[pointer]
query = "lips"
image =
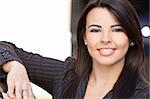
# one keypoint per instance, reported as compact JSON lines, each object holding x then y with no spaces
{"x":106,"y":51}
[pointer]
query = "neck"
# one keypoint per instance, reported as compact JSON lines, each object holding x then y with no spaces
{"x":102,"y":74}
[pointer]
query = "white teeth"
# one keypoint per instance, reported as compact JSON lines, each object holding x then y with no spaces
{"x":106,"y":52}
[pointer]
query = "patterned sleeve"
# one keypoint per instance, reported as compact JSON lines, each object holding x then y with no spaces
{"x":43,"y":71}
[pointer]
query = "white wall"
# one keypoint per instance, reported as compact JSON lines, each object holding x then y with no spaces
{"x":39,"y":26}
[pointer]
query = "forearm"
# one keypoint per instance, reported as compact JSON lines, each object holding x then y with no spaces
{"x":41,"y":70}
{"x":9,"y":56}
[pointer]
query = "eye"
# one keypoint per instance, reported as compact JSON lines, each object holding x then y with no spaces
{"x":118,"y":30}
{"x":95,"y":30}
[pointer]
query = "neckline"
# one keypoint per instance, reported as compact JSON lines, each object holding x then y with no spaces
{"x":82,"y":89}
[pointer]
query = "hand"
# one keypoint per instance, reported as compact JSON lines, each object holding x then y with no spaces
{"x":18,"y":81}
{"x":5,"y":96}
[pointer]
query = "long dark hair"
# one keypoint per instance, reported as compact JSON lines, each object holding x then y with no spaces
{"x":128,"y":18}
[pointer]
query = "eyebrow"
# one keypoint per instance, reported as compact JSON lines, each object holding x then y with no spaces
{"x":95,"y":26}
{"x":101,"y":26}
{"x":116,"y":25}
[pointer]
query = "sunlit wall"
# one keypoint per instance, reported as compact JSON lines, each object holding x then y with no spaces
{"x":39,"y":26}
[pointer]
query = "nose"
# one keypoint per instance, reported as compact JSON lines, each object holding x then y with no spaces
{"x":105,"y":38}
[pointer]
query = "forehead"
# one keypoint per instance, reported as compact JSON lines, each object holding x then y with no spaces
{"x":100,"y":15}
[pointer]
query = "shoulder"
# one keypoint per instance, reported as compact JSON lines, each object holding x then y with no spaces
{"x":69,"y":73}
{"x":70,"y":65}
{"x":142,"y":90}
{"x":70,"y":68}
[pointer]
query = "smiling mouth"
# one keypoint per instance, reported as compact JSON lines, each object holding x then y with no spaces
{"x":106,"y":51}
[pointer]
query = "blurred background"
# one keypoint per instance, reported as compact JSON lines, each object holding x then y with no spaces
{"x":48,"y":27}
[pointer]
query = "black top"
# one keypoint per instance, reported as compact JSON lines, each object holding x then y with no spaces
{"x":54,"y":75}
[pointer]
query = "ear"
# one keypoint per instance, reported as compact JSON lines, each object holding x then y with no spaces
{"x":85,"y":40}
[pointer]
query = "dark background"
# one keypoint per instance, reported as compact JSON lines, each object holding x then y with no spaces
{"x":142,"y":7}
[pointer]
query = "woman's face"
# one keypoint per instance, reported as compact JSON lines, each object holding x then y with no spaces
{"x":105,"y":38}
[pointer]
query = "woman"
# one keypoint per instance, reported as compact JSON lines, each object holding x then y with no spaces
{"x":108,"y":64}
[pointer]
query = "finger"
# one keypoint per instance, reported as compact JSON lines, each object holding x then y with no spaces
{"x":5,"y":96}
{"x":25,"y":94}
{"x":18,"y":93}
{"x":31,"y":95}
{"x":25,"y":91}
{"x":10,"y":89}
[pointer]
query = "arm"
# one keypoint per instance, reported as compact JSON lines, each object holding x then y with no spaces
{"x":42,"y":71}
{"x":15,"y":87}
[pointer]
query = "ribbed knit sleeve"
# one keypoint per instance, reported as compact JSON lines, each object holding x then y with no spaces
{"x":46,"y":72}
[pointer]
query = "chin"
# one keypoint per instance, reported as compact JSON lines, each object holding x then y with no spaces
{"x":108,"y":61}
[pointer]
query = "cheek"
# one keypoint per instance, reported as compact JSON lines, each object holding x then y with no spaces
{"x":122,"y":41}
{"x":92,"y":40}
